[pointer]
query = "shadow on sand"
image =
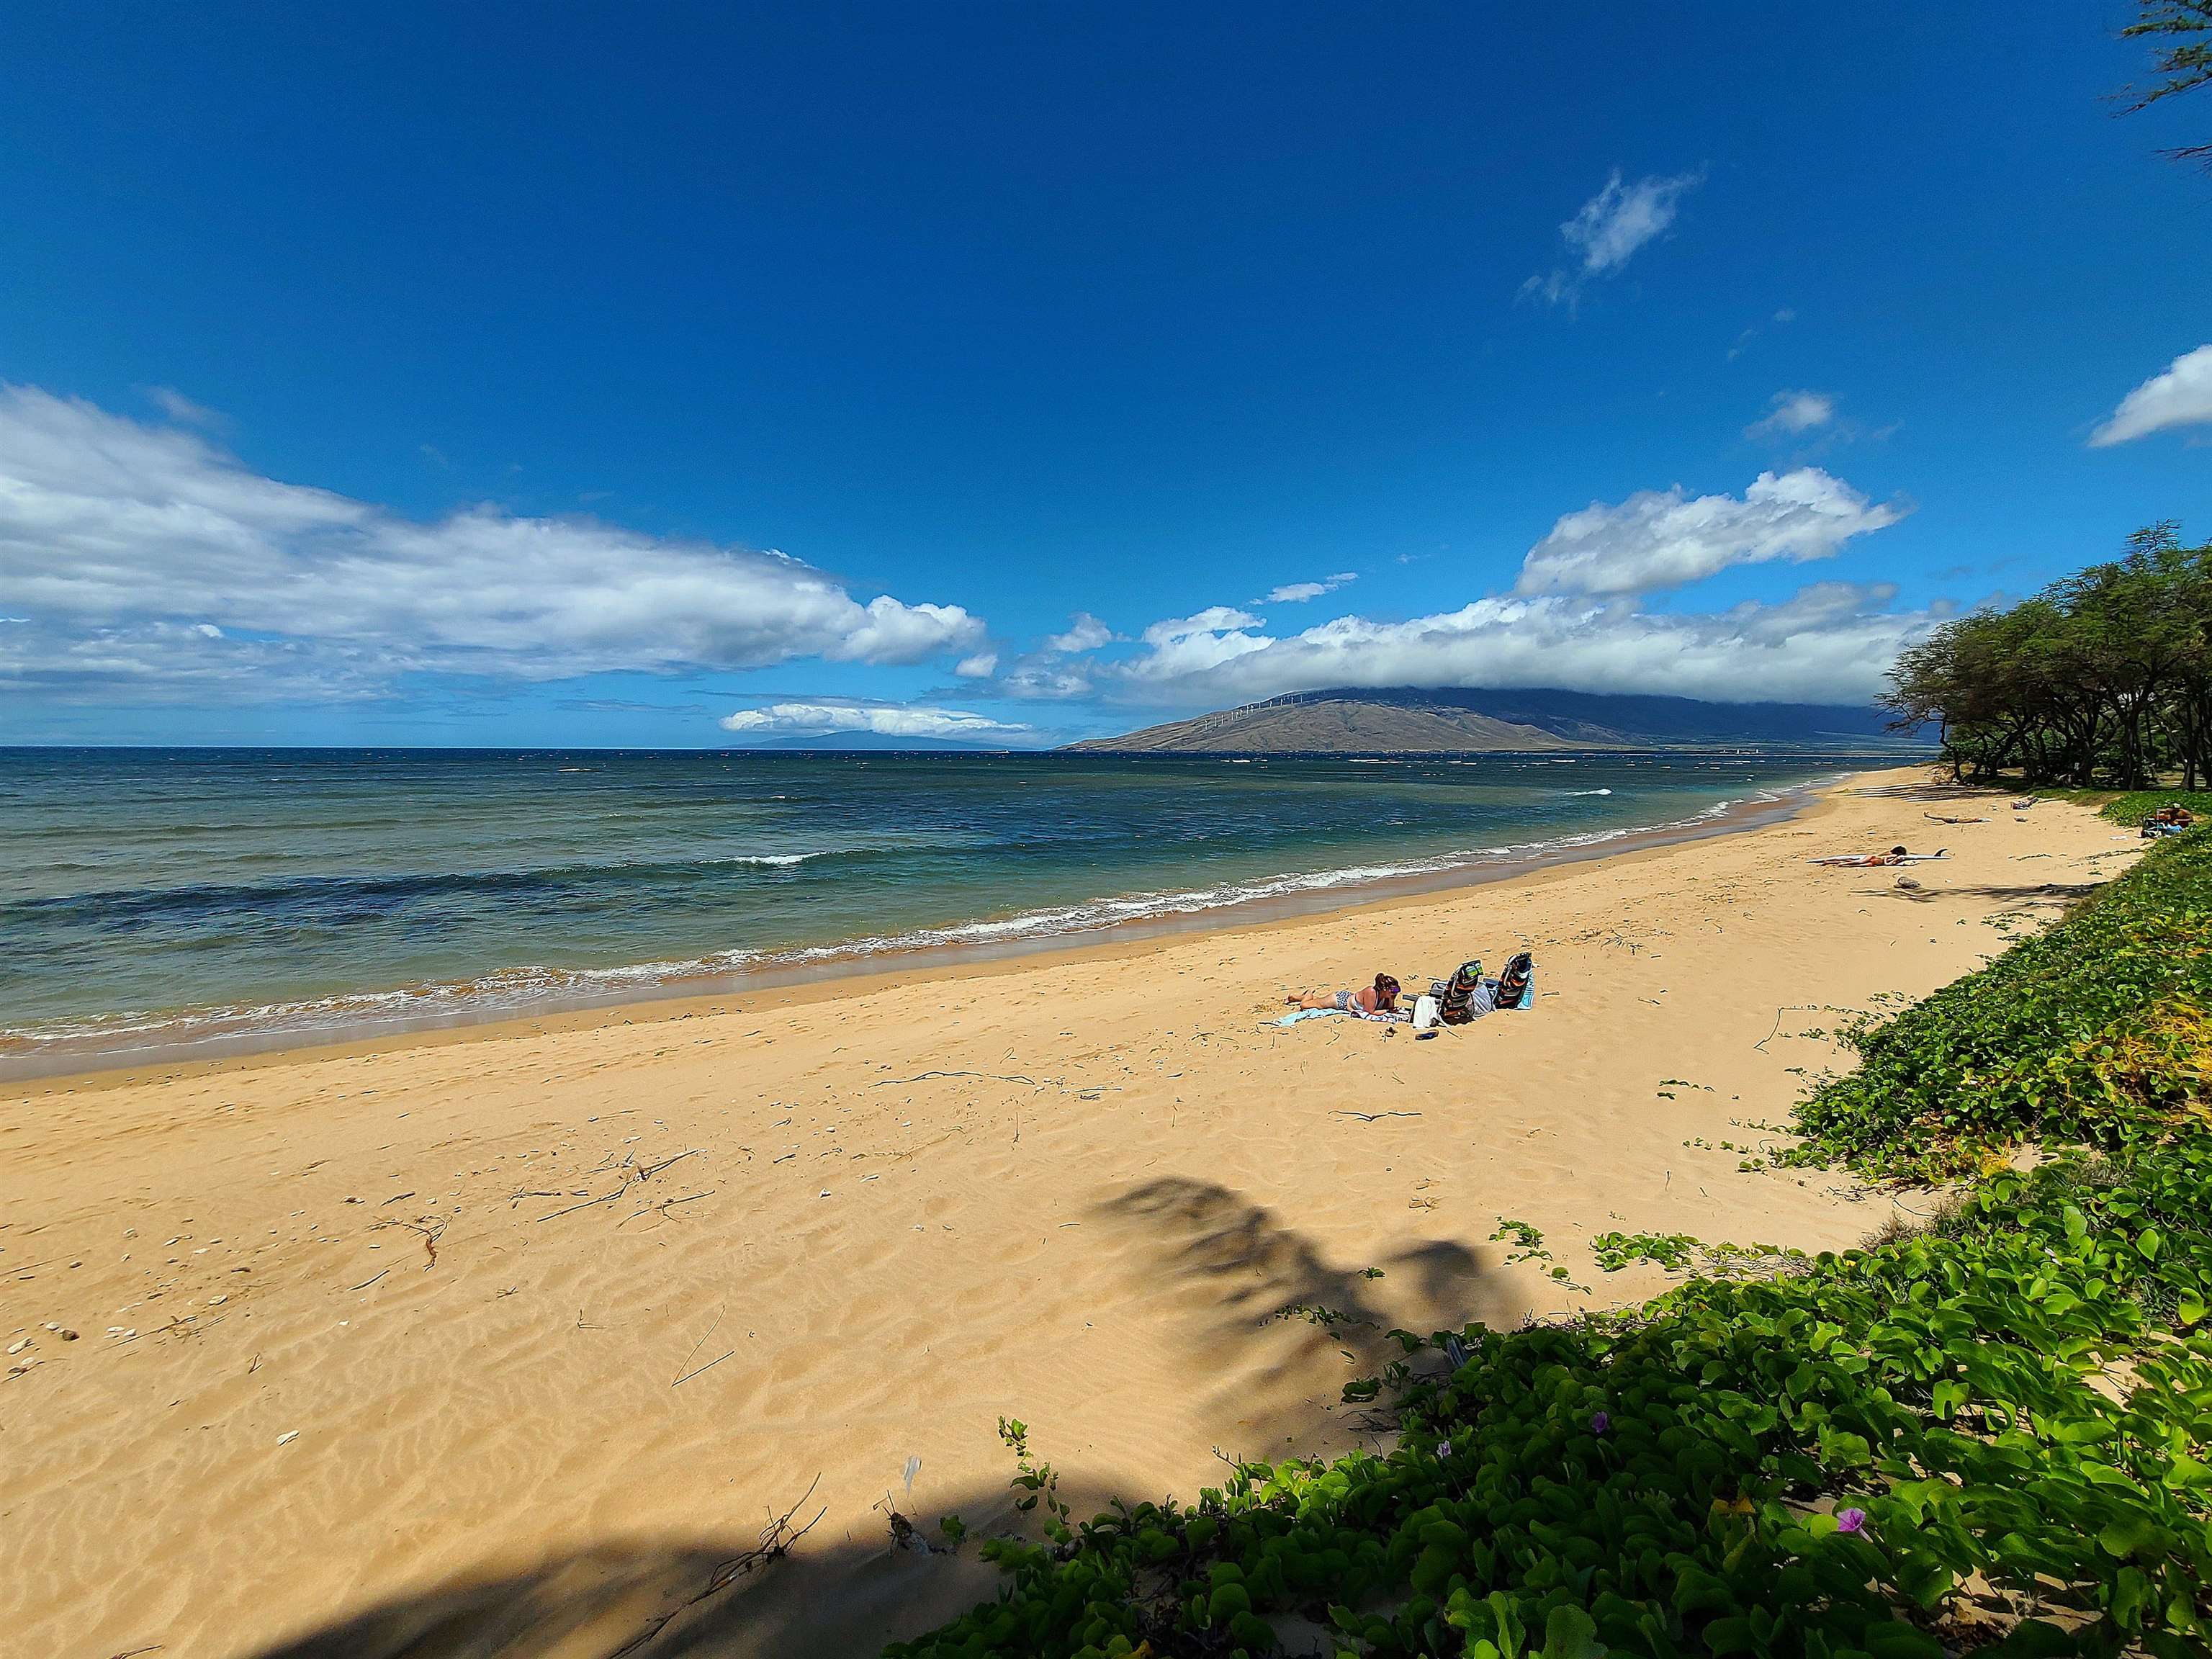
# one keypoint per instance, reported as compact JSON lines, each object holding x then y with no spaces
{"x":1239,"y":1282}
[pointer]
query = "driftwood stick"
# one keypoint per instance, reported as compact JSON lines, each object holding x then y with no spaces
{"x":925,"y":1077}
{"x":776,"y":1538}
{"x":604,"y":1198}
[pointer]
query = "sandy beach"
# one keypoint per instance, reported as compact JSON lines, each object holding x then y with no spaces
{"x":505,"y":1341}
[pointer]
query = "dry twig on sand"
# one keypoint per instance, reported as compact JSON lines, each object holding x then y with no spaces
{"x":929,"y":1076}
{"x":430,"y":1230}
{"x":776,"y":1542}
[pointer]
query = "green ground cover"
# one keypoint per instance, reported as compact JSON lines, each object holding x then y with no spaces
{"x":1996,"y":1433}
{"x":2132,"y":806}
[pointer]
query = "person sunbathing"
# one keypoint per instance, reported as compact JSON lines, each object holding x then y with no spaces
{"x":1896,"y":855}
{"x":1380,"y":998}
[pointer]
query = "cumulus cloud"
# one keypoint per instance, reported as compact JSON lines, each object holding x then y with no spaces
{"x":1214,"y":619}
{"x":1789,"y":414}
{"x":1665,"y":538}
{"x":1085,"y":633}
{"x":1184,"y":645}
{"x":2182,"y":396}
{"x":823,"y":719}
{"x":1299,"y":593}
{"x":1606,"y":231}
{"x":981,"y":666}
{"x":1830,"y":642}
{"x":122,"y":541}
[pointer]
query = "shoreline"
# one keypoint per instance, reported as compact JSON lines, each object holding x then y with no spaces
{"x":527,"y":1327}
{"x":77,"y":1058}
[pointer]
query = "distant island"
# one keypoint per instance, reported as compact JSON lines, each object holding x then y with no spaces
{"x":1421,"y":721}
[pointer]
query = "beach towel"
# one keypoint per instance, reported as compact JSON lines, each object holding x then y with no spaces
{"x":1308,"y":1013}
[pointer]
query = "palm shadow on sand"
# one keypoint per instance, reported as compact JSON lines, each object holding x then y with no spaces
{"x":1261,"y":1297}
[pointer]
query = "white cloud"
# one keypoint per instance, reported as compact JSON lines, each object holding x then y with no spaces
{"x":1299,"y":593}
{"x":1607,"y":229}
{"x":1085,"y":633}
{"x":1213,"y":619}
{"x":822,"y":719}
{"x":1040,"y":679}
{"x":115,"y":535}
{"x":1665,"y":538}
{"x":2182,"y":396}
{"x":182,"y":409}
{"x":1830,"y":642}
{"x":981,"y":666}
{"x":1791,"y":413}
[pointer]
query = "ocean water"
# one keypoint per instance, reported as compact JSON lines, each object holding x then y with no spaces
{"x":155,"y":898}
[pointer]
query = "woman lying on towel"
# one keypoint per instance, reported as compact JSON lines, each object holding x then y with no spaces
{"x":1380,"y":998}
{"x":1878,"y":860}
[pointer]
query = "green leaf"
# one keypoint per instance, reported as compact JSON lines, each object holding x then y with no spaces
{"x":2132,"y":1535}
{"x":1570,"y":1633}
{"x":1848,"y":1451}
{"x":1725,"y":1637}
{"x":2185,"y":1471}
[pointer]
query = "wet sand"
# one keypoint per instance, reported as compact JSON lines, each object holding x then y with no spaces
{"x":505,"y":1340}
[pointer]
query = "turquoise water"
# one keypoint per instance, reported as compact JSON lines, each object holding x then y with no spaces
{"x":155,"y":898}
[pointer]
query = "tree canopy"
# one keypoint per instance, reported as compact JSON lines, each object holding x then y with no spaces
{"x":2102,"y":678}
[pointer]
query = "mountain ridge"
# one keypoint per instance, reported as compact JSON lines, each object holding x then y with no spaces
{"x":1417,"y":719}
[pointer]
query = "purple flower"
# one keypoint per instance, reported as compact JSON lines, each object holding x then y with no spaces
{"x":1850,"y":1520}
{"x":1600,"y":1424}
{"x":1443,"y":1449}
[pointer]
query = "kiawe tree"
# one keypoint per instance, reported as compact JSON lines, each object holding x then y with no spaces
{"x":2104,"y":676}
{"x":2182,"y":32}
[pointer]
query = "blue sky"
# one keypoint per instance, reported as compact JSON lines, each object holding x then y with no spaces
{"x":605,"y":374}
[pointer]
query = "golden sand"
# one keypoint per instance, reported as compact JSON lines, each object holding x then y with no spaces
{"x":505,"y":1342}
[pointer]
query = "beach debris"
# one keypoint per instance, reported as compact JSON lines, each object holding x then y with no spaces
{"x":429,"y":1229}
{"x":286,"y":1439}
{"x":1908,"y":883}
{"x":21,"y":1343}
{"x":776,"y":1538}
{"x":1372,"y":1117}
{"x":905,"y":1535}
{"x":912,"y":1468}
